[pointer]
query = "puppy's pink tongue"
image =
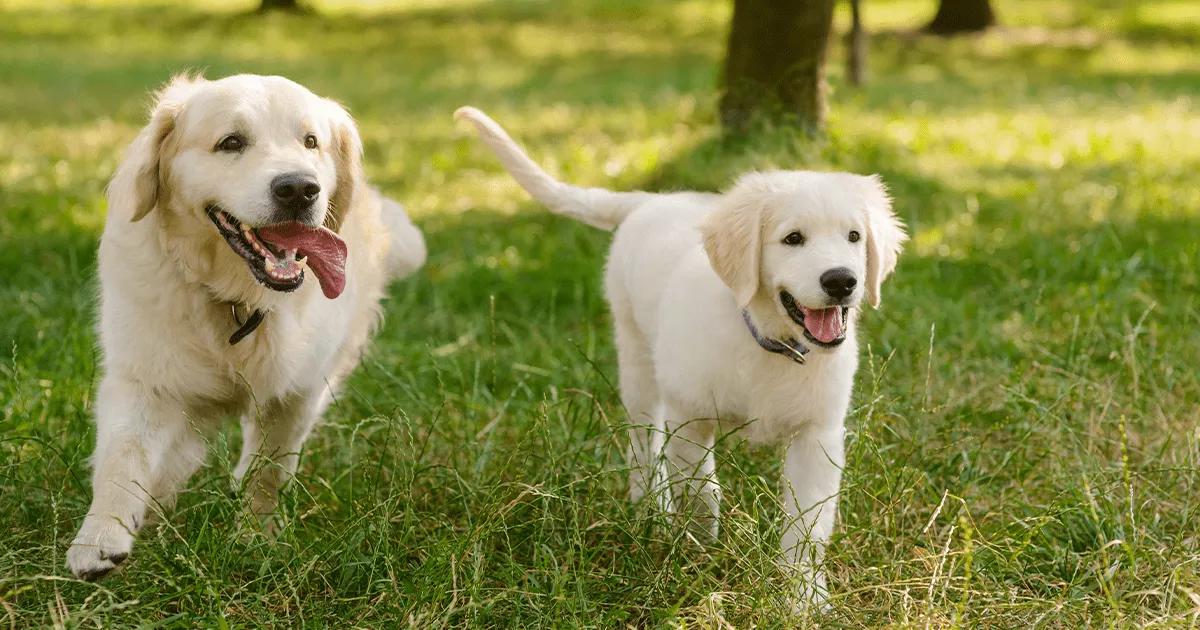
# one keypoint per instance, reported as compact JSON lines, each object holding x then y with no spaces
{"x":824,"y":324}
{"x":325,"y":250}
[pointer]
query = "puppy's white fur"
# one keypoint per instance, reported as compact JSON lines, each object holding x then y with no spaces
{"x":168,"y":281}
{"x":681,"y":270}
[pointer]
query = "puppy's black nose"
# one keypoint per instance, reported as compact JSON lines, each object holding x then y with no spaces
{"x":838,"y":282}
{"x":295,"y":191}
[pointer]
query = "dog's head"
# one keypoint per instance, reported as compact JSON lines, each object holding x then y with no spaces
{"x":260,"y":163}
{"x":814,"y":244}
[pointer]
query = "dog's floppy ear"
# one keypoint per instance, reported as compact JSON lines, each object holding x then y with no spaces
{"x":347,"y":154}
{"x":733,"y":241}
{"x":134,"y":187}
{"x":885,"y":235}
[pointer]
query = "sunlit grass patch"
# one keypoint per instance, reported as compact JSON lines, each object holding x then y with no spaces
{"x":1023,"y":444}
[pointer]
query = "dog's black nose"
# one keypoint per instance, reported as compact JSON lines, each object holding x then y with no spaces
{"x":838,"y":282}
{"x":295,"y":191}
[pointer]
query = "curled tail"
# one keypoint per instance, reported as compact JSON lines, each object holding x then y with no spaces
{"x":407,"y":252}
{"x":597,"y":207}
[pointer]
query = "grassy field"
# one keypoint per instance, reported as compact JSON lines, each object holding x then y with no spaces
{"x":1023,"y":446}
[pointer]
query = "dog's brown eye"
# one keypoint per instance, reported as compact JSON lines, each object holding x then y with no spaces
{"x":233,"y":143}
{"x":793,"y":238}
{"x":310,"y":141}
{"x":854,"y":236}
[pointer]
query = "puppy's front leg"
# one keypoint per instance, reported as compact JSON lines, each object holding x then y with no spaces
{"x":145,"y":447}
{"x":812,"y":473}
{"x":271,"y":443}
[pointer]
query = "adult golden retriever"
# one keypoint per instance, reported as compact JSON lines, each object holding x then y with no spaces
{"x":237,"y":195}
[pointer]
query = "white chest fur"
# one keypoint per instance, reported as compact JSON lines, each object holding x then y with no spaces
{"x":765,"y":396}
{"x":172,"y":336}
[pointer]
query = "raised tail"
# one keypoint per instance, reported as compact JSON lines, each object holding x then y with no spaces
{"x":597,"y":207}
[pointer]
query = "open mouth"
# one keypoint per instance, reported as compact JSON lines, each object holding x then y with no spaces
{"x":825,"y":327}
{"x":275,"y":253}
{"x":278,"y":270}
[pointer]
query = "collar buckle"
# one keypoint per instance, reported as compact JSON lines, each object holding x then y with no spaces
{"x":244,"y":328}
{"x":790,"y":347}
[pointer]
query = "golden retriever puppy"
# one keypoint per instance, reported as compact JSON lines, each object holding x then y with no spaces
{"x":241,"y":269}
{"x":735,"y":312}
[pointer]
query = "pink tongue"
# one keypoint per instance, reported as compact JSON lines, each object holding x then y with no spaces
{"x":326,"y":252}
{"x":825,"y":324}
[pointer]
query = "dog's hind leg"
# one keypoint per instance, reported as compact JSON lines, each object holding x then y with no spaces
{"x":145,"y":448}
{"x":640,"y":395}
{"x":691,"y":463}
{"x":182,"y":457}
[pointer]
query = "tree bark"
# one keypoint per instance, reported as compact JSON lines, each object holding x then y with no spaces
{"x":856,"y":58}
{"x":775,"y":62}
{"x":962,"y":16}
{"x":282,"y":5}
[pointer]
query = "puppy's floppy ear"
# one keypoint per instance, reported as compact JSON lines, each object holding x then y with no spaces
{"x":885,"y":234}
{"x":134,"y":188}
{"x":733,"y":241}
{"x":347,"y":154}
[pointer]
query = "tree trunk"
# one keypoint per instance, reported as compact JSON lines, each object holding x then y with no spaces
{"x":775,"y":62}
{"x":856,"y":58}
{"x":962,"y":16}
{"x":282,"y":5}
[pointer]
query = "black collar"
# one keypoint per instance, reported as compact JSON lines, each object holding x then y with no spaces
{"x":246,"y":327}
{"x":789,"y":347}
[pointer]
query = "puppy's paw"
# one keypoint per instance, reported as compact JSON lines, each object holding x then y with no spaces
{"x":258,"y":528}
{"x":99,"y":547}
{"x":708,"y":529}
{"x":811,"y":599}
{"x":811,"y":595}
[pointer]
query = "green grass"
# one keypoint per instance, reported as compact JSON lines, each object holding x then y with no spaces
{"x":1023,"y":447}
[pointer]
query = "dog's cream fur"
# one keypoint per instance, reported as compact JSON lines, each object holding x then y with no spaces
{"x":682,"y":268}
{"x":168,"y":281}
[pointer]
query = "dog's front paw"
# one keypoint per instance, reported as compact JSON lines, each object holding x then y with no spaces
{"x":99,"y":547}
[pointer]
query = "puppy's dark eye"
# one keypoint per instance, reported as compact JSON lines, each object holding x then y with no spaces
{"x":793,"y":238}
{"x":310,"y":141}
{"x":854,"y":236}
{"x":233,"y":143}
